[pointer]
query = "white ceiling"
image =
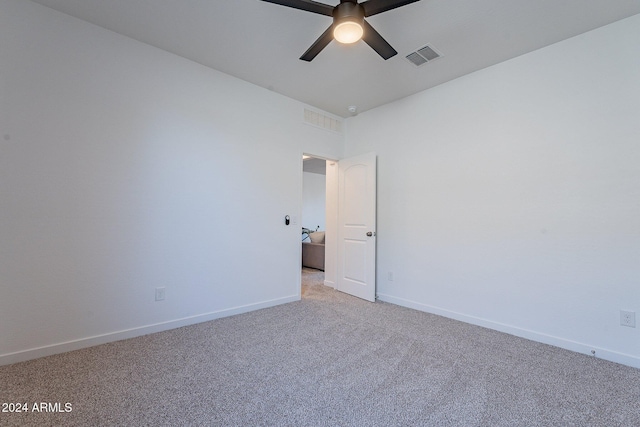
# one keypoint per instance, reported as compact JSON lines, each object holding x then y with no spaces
{"x":261,"y":42}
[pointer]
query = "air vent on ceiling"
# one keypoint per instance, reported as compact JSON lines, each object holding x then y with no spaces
{"x":322,"y":120}
{"x":423,"y":55}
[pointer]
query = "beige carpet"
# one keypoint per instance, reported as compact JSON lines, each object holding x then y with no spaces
{"x":312,"y":281}
{"x":328,"y":360}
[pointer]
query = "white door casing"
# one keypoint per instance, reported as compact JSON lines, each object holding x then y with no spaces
{"x":357,"y":226}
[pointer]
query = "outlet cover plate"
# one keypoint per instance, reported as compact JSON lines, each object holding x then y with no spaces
{"x":628,"y":318}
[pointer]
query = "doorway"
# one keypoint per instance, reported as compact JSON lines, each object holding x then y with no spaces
{"x":314,"y":222}
{"x":349,"y":221}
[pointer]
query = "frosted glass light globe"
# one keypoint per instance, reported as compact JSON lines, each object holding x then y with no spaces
{"x":348,"y":32}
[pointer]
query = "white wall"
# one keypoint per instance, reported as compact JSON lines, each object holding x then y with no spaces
{"x":511,"y":197}
{"x":124,"y":168}
{"x":314,"y":203}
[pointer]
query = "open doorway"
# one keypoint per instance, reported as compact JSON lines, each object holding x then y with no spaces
{"x":349,"y":208}
{"x":316,"y":221}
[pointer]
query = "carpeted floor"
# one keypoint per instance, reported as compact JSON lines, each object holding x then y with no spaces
{"x":312,"y":281}
{"x":328,"y":360}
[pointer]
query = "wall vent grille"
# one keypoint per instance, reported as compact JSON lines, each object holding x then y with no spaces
{"x":322,"y":121}
{"x":423,"y":55}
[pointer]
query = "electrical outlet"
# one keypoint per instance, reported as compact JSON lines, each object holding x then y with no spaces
{"x":160,"y":294}
{"x":390,"y":276}
{"x":628,"y":318}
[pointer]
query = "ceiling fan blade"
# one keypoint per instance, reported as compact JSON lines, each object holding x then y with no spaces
{"x":377,"y":43}
{"x":318,"y":45}
{"x":308,"y":5}
{"x":373,"y":7}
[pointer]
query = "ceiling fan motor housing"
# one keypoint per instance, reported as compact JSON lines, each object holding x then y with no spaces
{"x":348,"y":10}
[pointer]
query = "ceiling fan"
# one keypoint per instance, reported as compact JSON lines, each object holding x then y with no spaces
{"x":349,"y":24}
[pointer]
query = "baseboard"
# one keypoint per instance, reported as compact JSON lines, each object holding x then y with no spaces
{"x":330,"y":283}
{"x":602,"y":353}
{"x":34,"y":353}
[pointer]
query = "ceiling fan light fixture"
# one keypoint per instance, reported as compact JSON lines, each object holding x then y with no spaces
{"x":348,"y":22}
{"x":348,"y":32}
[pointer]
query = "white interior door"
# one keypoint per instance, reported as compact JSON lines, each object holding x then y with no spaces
{"x":357,"y":226}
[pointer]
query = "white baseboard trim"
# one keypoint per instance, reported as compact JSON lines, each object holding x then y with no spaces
{"x":602,"y":353}
{"x":34,"y":353}
{"x":330,"y":283}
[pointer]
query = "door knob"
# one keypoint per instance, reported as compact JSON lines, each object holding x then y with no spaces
{"x":369,"y":234}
